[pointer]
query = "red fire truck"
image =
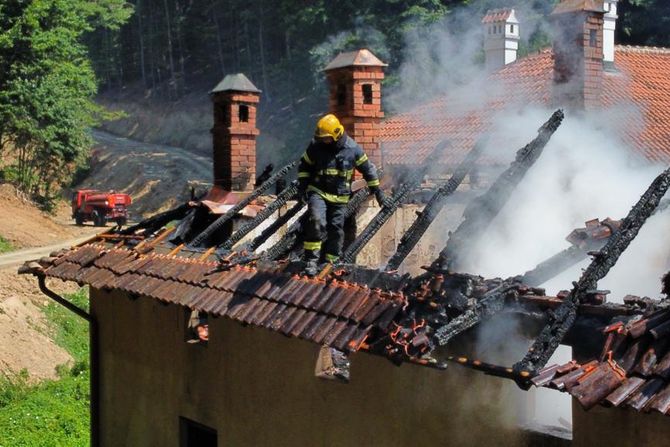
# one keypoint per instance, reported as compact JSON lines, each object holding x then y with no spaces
{"x":100,"y":207}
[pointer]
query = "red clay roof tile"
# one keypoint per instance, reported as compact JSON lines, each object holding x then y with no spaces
{"x":636,"y":97}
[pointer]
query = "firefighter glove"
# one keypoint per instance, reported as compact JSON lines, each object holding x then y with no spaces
{"x":302,"y":191}
{"x":381,"y":197}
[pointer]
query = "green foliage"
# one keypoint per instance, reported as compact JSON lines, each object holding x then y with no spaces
{"x":644,"y":22}
{"x":72,"y":331}
{"x":5,"y":245}
{"x":52,"y":413}
{"x":46,"y":88}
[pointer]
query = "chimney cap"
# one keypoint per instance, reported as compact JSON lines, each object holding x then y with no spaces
{"x":237,"y":82}
{"x":500,"y":15}
{"x":358,"y":58}
{"x":566,"y":6}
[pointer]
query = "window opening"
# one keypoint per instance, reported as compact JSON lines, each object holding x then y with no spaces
{"x":367,"y":93}
{"x":243,"y":113}
{"x":193,"y":434}
{"x":593,"y":38}
{"x":511,"y":29}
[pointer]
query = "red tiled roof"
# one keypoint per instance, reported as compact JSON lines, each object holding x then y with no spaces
{"x":497,"y":15}
{"x":577,"y":5}
{"x":336,"y":313}
{"x":636,"y":98}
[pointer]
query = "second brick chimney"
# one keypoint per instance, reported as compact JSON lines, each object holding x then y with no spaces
{"x":355,"y":80}
{"x":578,"y":53}
{"x":234,"y":133}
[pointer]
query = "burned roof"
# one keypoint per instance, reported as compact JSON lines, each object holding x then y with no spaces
{"x":183,"y":257}
{"x":632,"y":371}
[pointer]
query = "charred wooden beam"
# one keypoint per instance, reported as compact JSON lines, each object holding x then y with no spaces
{"x":564,"y":316}
{"x":291,"y":240}
{"x":389,"y":208}
{"x":220,"y":223}
{"x":420,"y":225}
{"x":491,"y":303}
{"x":479,"y":214}
{"x":490,"y":369}
{"x":152,"y":224}
{"x":553,"y":266}
{"x":274,"y":227}
{"x":590,"y":238}
{"x":289,"y":193}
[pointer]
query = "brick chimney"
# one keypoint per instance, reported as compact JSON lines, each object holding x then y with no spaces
{"x":578,"y":53}
{"x":234,"y":133}
{"x":501,"y":38}
{"x":355,"y":80}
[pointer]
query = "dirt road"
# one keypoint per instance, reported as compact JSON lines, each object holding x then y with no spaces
{"x":156,"y":176}
{"x":17,"y":257}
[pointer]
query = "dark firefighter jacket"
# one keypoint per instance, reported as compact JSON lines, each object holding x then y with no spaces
{"x":327,"y":169}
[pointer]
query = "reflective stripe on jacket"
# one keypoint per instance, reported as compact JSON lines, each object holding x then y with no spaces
{"x":328,"y":168}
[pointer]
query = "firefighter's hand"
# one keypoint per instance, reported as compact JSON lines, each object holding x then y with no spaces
{"x":381,"y":197}
{"x":302,"y":192}
{"x":302,"y":196}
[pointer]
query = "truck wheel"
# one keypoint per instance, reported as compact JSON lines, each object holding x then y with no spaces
{"x":98,"y":219}
{"x":79,"y":219}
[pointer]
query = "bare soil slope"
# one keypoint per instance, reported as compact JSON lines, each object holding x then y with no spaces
{"x":23,"y":225}
{"x":25,"y":337}
{"x":25,"y":341}
{"x":157,"y":177}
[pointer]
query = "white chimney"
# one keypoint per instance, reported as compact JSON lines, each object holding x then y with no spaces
{"x":501,"y":38}
{"x":609,"y":26}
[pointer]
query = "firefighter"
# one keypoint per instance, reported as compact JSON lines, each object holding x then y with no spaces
{"x":325,"y":175}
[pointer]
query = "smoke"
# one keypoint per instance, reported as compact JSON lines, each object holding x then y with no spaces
{"x":447,"y":57}
{"x":585,"y":172}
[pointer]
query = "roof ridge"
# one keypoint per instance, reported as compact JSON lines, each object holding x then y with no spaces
{"x":642,"y":49}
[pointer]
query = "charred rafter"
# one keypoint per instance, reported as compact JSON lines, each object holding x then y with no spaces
{"x":391,"y":205}
{"x":220,"y":223}
{"x":564,"y":316}
{"x":291,"y":240}
{"x":591,"y":238}
{"x":479,"y":214}
{"x":420,"y":225}
{"x":289,"y":193}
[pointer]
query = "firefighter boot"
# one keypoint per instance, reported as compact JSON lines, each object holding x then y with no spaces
{"x":311,"y":258}
{"x":311,"y":268}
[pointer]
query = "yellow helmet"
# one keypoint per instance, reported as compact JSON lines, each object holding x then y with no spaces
{"x":329,"y":126}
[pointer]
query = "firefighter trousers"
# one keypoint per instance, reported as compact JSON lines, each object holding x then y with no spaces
{"x":325,"y":221}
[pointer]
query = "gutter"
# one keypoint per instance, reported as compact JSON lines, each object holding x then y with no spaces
{"x":41,"y":279}
{"x":94,"y":357}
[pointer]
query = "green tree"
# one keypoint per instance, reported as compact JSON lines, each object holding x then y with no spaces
{"x":47,"y":87}
{"x":644,"y":22}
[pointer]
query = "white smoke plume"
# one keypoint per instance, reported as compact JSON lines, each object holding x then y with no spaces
{"x":585,"y":172}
